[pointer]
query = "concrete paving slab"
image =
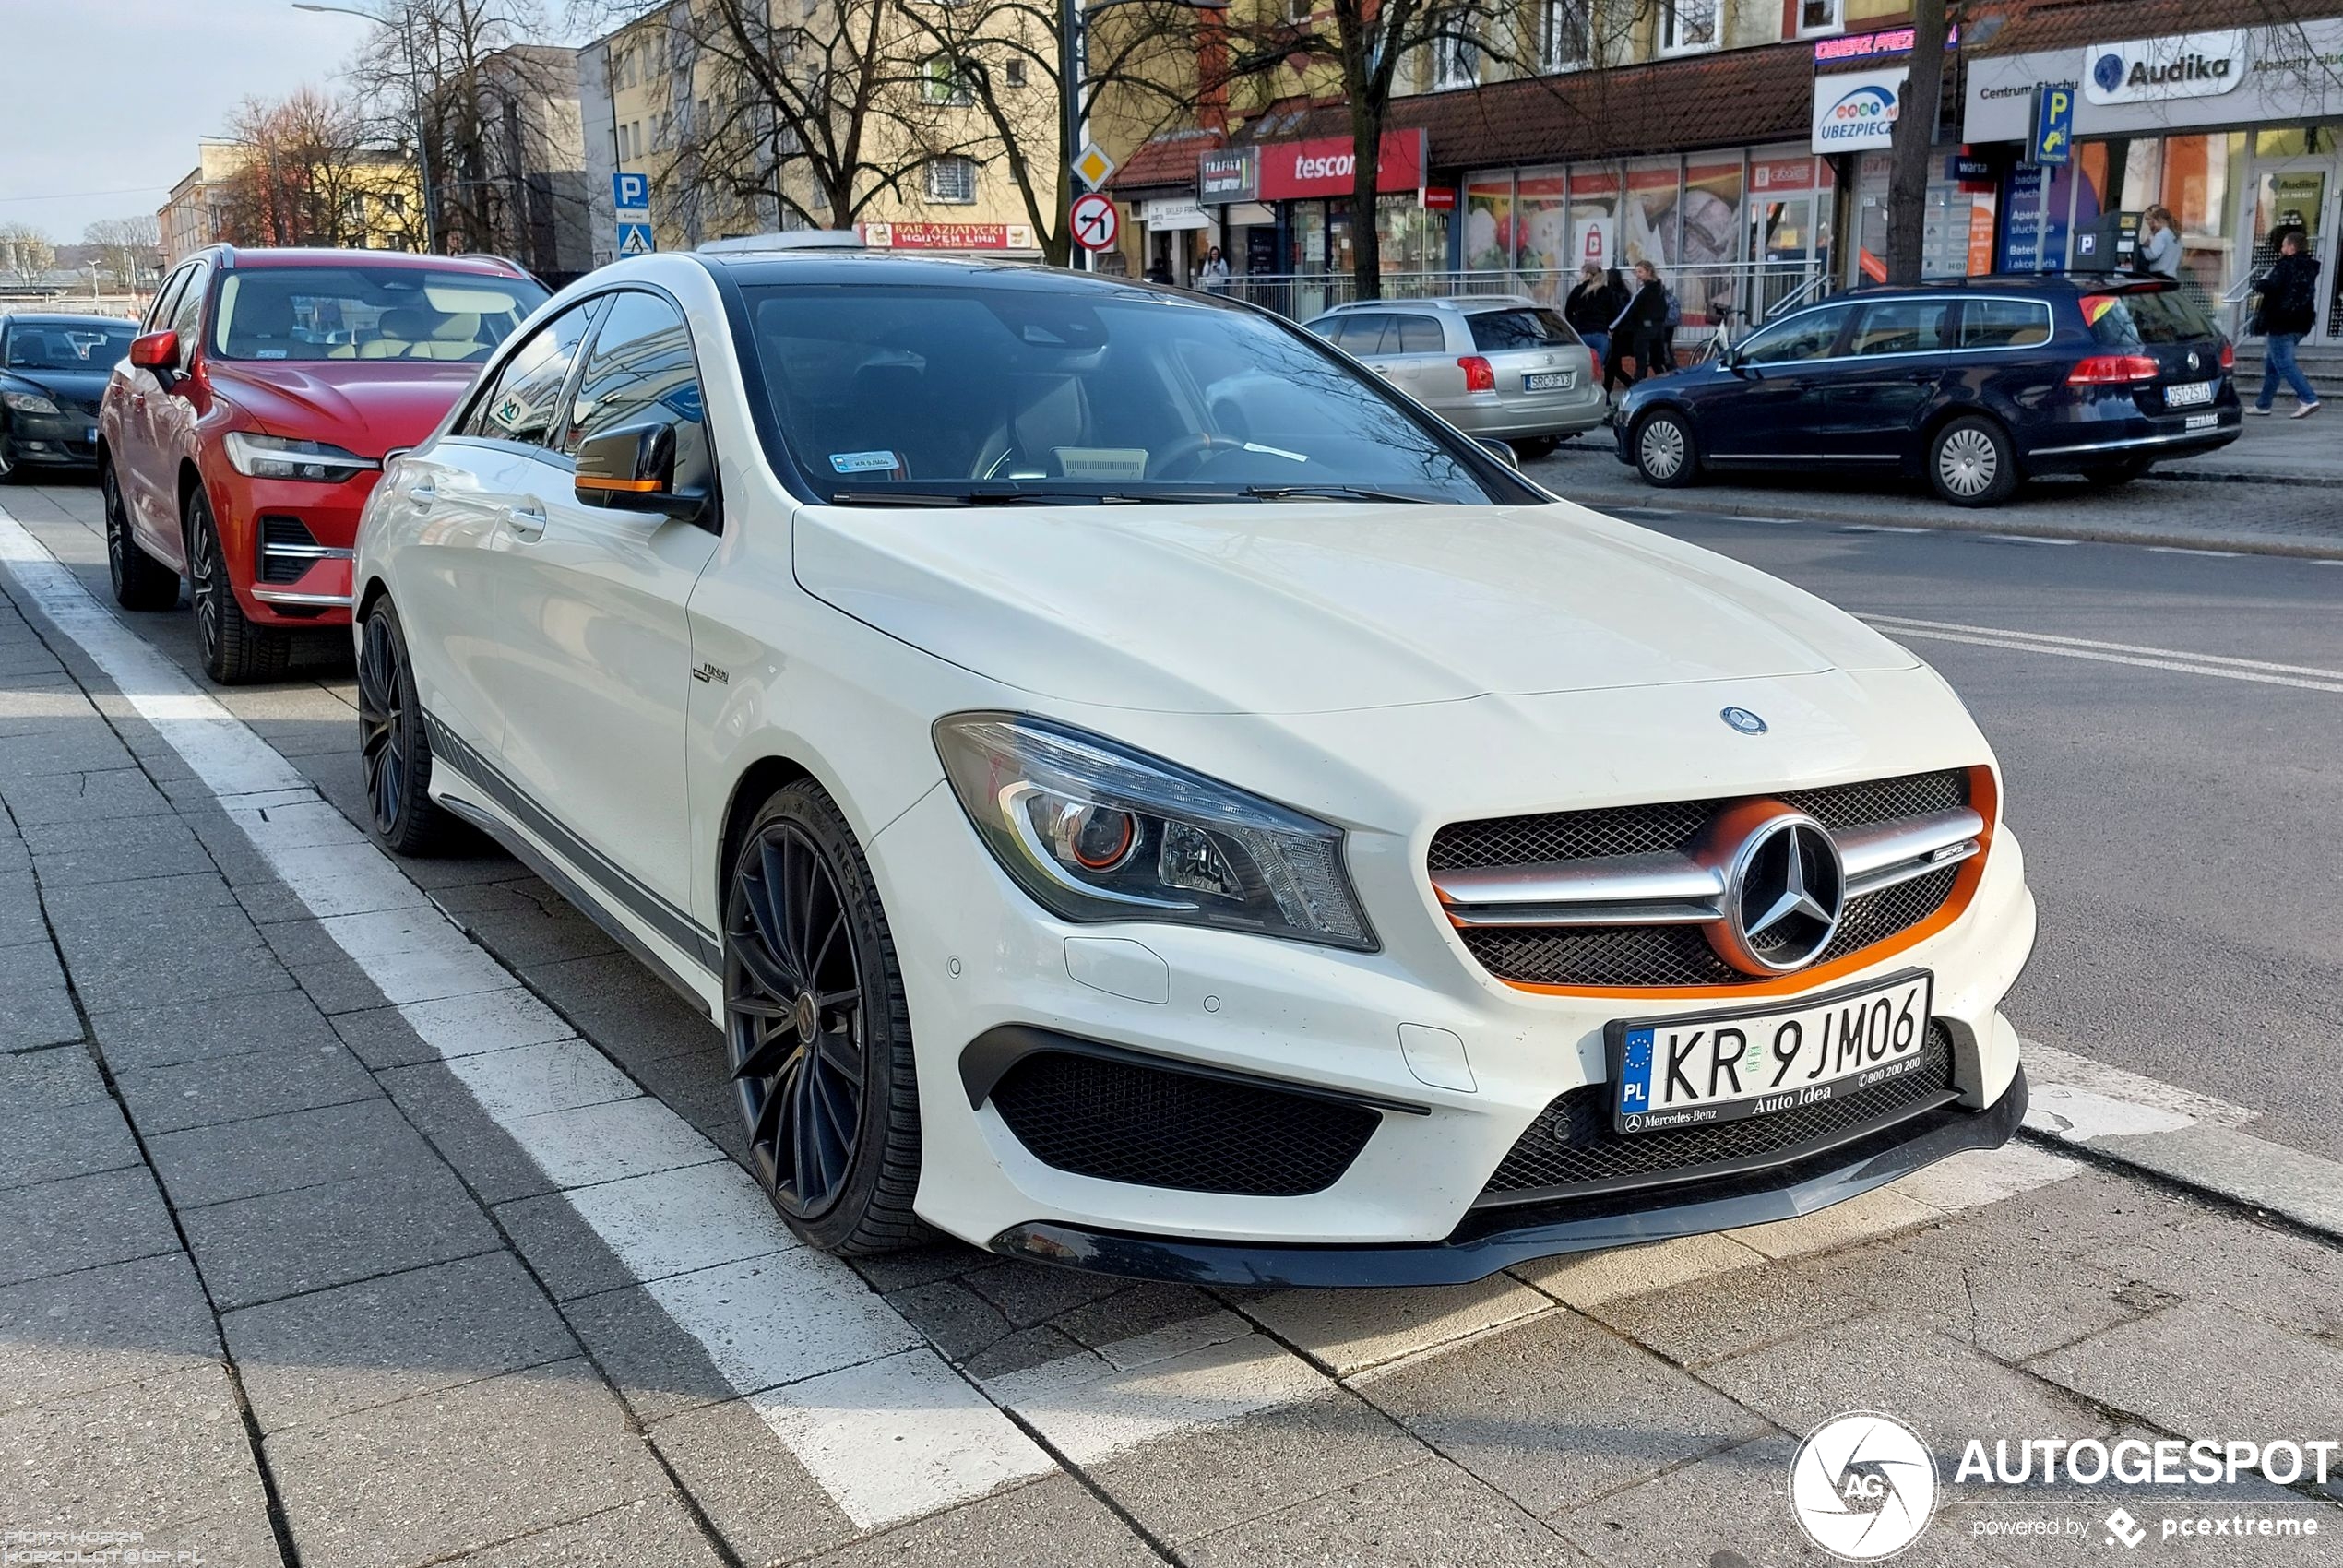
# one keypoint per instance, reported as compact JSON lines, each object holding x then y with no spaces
{"x":261,"y":1249}
{"x":83,"y":1222}
{"x":2231,"y":1261}
{"x":283,"y":1153}
{"x":1707,"y":1319}
{"x":495,"y":1167}
{"x":656,"y":1530}
{"x":598,"y":1142}
{"x":1945,"y":1391}
{"x":525,"y":924}
{"x":766,"y":1506}
{"x":1136,"y":1309}
{"x":124,"y":1323}
{"x":45,"y":1143}
{"x":331,"y":1352}
{"x":1880,"y":1212}
{"x":1431,"y":1514}
{"x":1028,"y":1293}
{"x":267,"y":1082}
{"x":2009,"y":1297}
{"x":21,"y":920}
{"x":111,"y":903}
{"x":2202,"y":1370}
{"x":2304,"y":1188}
{"x":530,"y":1080}
{"x":456,"y":1471}
{"x":63,"y":796}
{"x":41,"y":1010}
{"x":1557,"y":1410}
{"x":1203,"y":1480}
{"x":79,"y":854}
{"x":620,"y":1006}
{"x":955,"y":1320}
{"x":147,"y":959}
{"x":64,"y":1074}
{"x":1347,"y":1331}
{"x":644,"y":1227}
{"x":1051,"y":1524}
{"x":166,"y":1449}
{"x":89,"y":748}
{"x":1582,"y":1279}
{"x":174,"y":1033}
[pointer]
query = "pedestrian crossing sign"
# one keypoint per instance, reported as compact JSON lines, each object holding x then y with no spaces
{"x":635,"y":238}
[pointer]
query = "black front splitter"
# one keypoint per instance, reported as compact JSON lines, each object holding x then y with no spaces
{"x":1485,"y":1243}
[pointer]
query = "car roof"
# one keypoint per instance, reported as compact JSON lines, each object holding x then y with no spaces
{"x":2012,"y":282}
{"x":303,"y":255}
{"x":63,"y":319}
{"x":830,"y":266}
{"x":1464,"y":305}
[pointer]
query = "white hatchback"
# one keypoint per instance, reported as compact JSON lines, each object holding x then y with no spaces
{"x":1134,"y":793}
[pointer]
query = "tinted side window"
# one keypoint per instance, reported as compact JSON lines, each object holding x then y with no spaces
{"x":1520,"y":329}
{"x":1366,"y":333}
{"x":1905,"y":326}
{"x":166,"y":298}
{"x":525,"y":402}
{"x":1808,"y":335}
{"x":1420,"y":335}
{"x":2004,"y":324}
{"x":2140,"y":316}
{"x":641,"y":371}
{"x":186,"y":311}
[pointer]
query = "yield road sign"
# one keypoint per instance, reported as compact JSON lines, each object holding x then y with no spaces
{"x":1095,"y":221}
{"x":1093,"y":165}
{"x":630,"y":191}
{"x":635,"y":238}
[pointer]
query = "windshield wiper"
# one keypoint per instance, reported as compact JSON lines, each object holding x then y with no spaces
{"x":1327,"y":491}
{"x":937,"y":498}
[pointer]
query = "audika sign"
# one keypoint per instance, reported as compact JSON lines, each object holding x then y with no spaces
{"x":2193,"y":64}
{"x":1855,"y":111}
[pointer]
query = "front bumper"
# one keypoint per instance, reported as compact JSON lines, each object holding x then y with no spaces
{"x":67,"y":440}
{"x":1485,"y":1243}
{"x":305,"y":582}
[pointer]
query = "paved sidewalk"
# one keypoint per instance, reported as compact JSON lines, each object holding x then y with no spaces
{"x":360,"y":1212}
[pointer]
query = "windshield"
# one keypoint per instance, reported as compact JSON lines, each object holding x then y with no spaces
{"x":2137,"y":317}
{"x":60,"y":345}
{"x":367,"y":313}
{"x":1000,"y":392}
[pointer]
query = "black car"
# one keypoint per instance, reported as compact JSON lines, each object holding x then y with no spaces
{"x":1974,"y":383}
{"x":52,"y":376}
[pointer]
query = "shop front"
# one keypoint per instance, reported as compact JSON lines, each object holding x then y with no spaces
{"x":1300,"y":261}
{"x":2237,"y":132}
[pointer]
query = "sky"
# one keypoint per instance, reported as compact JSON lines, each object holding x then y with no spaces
{"x":103,"y":100}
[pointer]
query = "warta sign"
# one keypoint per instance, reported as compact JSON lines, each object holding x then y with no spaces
{"x":2193,"y":64}
{"x":1324,"y":167}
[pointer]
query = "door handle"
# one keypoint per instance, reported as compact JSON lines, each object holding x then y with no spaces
{"x":1924,"y":379}
{"x":527,"y":522}
{"x":422,"y":492}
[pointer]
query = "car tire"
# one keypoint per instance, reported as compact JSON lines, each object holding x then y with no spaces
{"x":1665,"y":454}
{"x":8,"y":455}
{"x":1529,"y":448}
{"x":234,"y":650}
{"x":816,"y":1031}
{"x":394,"y":749}
{"x":1970,"y":462}
{"x":140,"y":582}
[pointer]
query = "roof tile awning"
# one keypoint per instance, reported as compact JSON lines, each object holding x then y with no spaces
{"x":1165,"y":160}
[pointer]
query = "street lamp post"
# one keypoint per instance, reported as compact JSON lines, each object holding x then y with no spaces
{"x":1072,"y":15}
{"x":415,"y":86}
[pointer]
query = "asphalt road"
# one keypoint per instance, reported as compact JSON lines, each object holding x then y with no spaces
{"x":2181,"y":825}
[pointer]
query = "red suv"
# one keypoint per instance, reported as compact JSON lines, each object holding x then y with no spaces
{"x":241,"y":437}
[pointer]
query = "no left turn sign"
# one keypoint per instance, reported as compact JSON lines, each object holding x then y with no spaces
{"x":1095,"y":221}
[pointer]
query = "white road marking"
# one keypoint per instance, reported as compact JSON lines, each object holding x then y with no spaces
{"x":2216,"y":665}
{"x":1090,"y":1409}
{"x":914,"y":1437}
{"x":2221,"y":658}
{"x":682,"y":1220}
{"x":2188,"y":550}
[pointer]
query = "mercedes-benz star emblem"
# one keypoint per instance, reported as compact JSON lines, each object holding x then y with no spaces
{"x":1784,"y":891}
{"x":1743,"y":720}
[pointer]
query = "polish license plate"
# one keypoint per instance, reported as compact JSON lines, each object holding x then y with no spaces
{"x":2202,"y":421}
{"x":1743,"y":1061}
{"x":1548,"y":381}
{"x":2189,"y":395}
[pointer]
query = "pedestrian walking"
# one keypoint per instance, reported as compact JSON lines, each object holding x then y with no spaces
{"x":1214,"y":273}
{"x":1648,"y":324}
{"x":1589,"y":308}
{"x":2290,"y":304}
{"x":2159,"y":249}
{"x":1615,"y":334}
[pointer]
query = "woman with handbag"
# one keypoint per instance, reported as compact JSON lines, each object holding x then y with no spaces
{"x":2290,"y":304}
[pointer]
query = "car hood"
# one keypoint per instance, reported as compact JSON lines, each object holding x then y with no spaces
{"x":84,"y":388}
{"x":1305,"y":608}
{"x":366,"y":405}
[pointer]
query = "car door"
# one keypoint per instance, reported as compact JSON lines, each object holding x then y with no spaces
{"x":592,"y":606}
{"x":1422,"y":363}
{"x":455,"y":496}
{"x":1887,"y":379}
{"x":1363,"y":334}
{"x":1767,"y":406}
{"x":161,"y":415}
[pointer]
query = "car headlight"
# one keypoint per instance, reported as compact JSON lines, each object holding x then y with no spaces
{"x":1095,"y":831}
{"x":28,"y":402}
{"x":282,"y":457}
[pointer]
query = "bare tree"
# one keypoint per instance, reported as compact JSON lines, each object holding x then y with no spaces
{"x":1915,"y":133}
{"x":124,"y":248}
{"x":25,"y":253}
{"x":300,"y":172}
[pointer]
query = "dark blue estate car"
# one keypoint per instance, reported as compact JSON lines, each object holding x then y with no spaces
{"x":1974,"y":383}
{"x":53,"y":376}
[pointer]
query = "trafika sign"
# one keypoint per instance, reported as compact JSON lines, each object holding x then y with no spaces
{"x":2191,"y":65}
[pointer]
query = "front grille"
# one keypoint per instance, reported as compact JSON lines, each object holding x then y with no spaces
{"x":1677,"y":825}
{"x":1160,"y":1127}
{"x":1571,"y":1147}
{"x":279,"y":564}
{"x":1665,"y":956}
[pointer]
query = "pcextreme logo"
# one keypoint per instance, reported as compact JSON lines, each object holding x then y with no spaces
{"x":1863,"y":1486}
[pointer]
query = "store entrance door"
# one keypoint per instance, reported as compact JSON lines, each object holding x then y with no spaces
{"x":2298,"y":193}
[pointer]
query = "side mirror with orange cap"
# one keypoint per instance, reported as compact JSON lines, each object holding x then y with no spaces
{"x":634,"y":469}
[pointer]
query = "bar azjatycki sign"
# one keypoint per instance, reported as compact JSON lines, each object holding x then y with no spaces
{"x":1324,"y":166}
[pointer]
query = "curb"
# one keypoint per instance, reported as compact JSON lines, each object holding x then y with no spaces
{"x":2177,"y":1136}
{"x":2004,"y":525}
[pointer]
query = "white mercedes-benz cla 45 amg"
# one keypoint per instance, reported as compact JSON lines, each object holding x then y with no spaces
{"x":1137,"y":792}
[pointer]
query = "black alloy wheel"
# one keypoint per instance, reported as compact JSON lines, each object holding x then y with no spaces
{"x":140,"y":582}
{"x":393,"y":747}
{"x":818,"y":1035}
{"x":233,"y":649}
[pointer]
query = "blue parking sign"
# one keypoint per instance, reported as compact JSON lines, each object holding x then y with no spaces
{"x":2053,"y":137}
{"x":630,"y":191}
